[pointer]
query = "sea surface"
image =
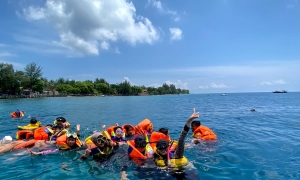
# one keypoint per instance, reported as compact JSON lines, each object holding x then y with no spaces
{"x":264,"y":144}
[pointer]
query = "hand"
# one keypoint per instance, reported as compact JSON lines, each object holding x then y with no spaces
{"x":87,"y":152}
{"x":194,"y":115}
{"x":32,"y":153}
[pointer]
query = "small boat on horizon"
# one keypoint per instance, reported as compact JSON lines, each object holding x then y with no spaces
{"x":280,"y":91}
{"x":224,"y":94}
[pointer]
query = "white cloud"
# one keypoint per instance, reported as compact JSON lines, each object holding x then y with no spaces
{"x":105,"y":45}
{"x":7,"y":54}
{"x":156,"y":85}
{"x":178,"y":84}
{"x":33,"y":13}
{"x":265,"y":83}
{"x":16,"y":65}
{"x":157,"y":4}
{"x":176,"y":33}
{"x":84,"y":24}
{"x":280,"y":81}
{"x":203,"y":87}
{"x":275,"y":82}
{"x":128,"y":80}
{"x":214,"y":85}
{"x":117,"y":50}
{"x":268,"y":69}
{"x":163,"y":9}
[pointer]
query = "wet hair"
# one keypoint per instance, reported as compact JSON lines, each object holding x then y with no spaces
{"x":61,"y":119}
{"x":127,"y":127}
{"x":60,"y":126}
{"x":196,"y":123}
{"x":33,"y":121}
{"x":118,"y":127}
{"x":162,"y":144}
{"x":165,"y":131}
{"x":140,"y":141}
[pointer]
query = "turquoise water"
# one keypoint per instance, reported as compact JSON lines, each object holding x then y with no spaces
{"x":251,"y":145}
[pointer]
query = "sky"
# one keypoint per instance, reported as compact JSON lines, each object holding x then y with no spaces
{"x":215,"y":46}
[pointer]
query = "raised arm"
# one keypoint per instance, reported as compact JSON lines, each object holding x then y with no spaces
{"x":180,"y":148}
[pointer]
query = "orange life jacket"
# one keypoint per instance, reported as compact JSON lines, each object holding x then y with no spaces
{"x":110,"y":131}
{"x":24,"y":134}
{"x":25,"y":144}
{"x":133,"y":129}
{"x":204,"y":133}
{"x":155,"y":136}
{"x":133,"y":152}
{"x":144,"y":126}
{"x":42,"y":133}
{"x":61,"y":142}
{"x":16,"y":114}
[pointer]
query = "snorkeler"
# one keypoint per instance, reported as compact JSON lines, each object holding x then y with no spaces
{"x":201,"y":132}
{"x":162,"y":133}
{"x":129,"y":131}
{"x":140,"y":148}
{"x":99,"y":147}
{"x":63,"y":121}
{"x":118,"y":136}
{"x":69,"y":141}
{"x":164,"y":157}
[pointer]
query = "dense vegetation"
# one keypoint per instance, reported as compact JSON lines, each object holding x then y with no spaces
{"x":15,"y":82}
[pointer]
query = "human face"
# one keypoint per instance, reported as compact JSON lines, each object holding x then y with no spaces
{"x":71,"y":141}
{"x":119,"y":133}
{"x":130,"y":132}
{"x":101,"y":142}
{"x":194,"y":127}
{"x":141,"y":150}
{"x":162,"y":151}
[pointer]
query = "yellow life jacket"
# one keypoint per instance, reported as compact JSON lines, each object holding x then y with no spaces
{"x":172,"y":162}
{"x":30,"y":126}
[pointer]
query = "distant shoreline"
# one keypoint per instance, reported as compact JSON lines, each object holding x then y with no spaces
{"x":92,"y":95}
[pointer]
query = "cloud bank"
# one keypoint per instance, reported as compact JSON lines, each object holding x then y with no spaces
{"x":85,"y":26}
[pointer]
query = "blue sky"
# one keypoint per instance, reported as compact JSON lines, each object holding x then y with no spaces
{"x":205,"y":46}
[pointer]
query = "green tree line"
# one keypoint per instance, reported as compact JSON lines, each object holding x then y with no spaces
{"x":15,"y":82}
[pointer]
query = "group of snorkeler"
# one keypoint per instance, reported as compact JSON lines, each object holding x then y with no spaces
{"x":143,"y":143}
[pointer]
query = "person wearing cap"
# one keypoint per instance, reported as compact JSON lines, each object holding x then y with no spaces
{"x":163,"y":157}
{"x":68,"y":141}
{"x":99,"y":147}
{"x":58,"y":130}
{"x":7,"y":144}
{"x":63,"y":121}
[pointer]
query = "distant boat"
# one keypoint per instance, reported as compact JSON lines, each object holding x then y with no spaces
{"x":280,"y":91}
{"x":224,"y":94}
{"x":103,"y":95}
